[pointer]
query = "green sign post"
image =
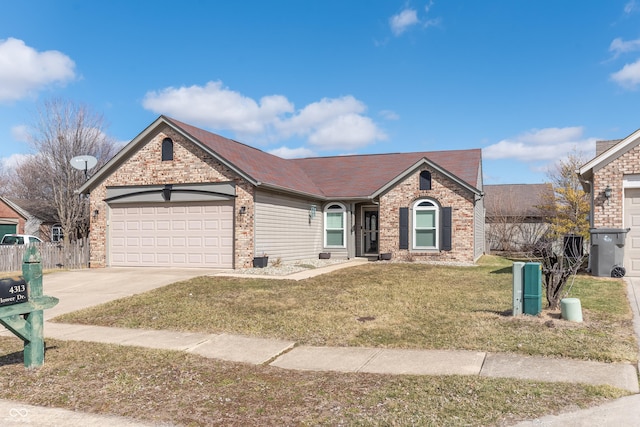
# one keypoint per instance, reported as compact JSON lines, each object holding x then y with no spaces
{"x":25,"y":303}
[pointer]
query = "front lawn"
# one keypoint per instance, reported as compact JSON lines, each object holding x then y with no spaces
{"x":386,"y":305}
{"x":176,"y":388}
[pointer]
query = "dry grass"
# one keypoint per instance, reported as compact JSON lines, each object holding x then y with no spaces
{"x":386,"y":305}
{"x":178,"y":388}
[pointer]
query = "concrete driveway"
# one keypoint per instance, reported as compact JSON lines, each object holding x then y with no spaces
{"x":79,"y":289}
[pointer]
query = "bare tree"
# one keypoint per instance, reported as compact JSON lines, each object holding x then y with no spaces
{"x":514,"y":221}
{"x":61,"y":131}
{"x":570,"y":207}
{"x":503,"y":231}
{"x":557,"y":269}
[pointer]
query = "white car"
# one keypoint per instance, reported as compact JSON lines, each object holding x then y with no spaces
{"x":19,"y":239}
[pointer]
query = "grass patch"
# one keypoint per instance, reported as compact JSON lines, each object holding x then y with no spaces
{"x":179,"y":388}
{"x":403,"y":306}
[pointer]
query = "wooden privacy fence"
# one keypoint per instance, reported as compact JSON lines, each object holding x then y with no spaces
{"x":54,"y":255}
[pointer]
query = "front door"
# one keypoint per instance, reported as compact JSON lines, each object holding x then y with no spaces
{"x":370,"y":235}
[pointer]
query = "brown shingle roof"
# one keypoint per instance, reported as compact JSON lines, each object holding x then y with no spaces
{"x":354,"y":176}
{"x":262,"y":167}
{"x":516,"y":200}
{"x":363,"y":175}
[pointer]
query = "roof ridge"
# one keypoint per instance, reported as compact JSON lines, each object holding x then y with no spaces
{"x":243,"y":167}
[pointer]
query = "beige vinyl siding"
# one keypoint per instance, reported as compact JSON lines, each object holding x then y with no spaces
{"x":283,"y":228}
{"x":479,"y":233}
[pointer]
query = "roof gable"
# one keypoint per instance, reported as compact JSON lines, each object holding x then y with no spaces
{"x":366,"y":175}
{"x":17,"y":209}
{"x":609,"y":155}
{"x":355,"y":176}
{"x":261,"y":167}
{"x":31,"y":209}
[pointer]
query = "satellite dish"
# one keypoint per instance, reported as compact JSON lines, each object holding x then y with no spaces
{"x":83,"y":163}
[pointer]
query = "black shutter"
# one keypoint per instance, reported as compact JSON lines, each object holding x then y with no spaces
{"x":445,"y":229}
{"x":403,"y":222}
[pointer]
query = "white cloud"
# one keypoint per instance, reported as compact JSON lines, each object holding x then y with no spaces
{"x":20,"y":133}
{"x":409,"y":18}
{"x":348,"y":131}
{"x":327,"y":124}
{"x":401,"y":22}
{"x":292,"y":153}
{"x":630,"y":7}
{"x":23,"y":70}
{"x":389,"y":115}
{"x":435,"y":22}
{"x":13,"y":161}
{"x":318,"y":113}
{"x":218,"y":106}
{"x":619,"y":46}
{"x":547,"y":144}
{"x":629,"y":76}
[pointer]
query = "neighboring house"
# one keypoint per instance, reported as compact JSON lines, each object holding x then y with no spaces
{"x":177,"y":195}
{"x":515,"y":220}
{"x":12,"y":218}
{"x":27,"y":217}
{"x":613,"y":180}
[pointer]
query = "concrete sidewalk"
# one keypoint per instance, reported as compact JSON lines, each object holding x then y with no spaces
{"x":284,"y":354}
{"x":82,"y":289}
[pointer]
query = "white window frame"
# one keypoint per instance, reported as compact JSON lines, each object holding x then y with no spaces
{"x":417,"y":208}
{"x":329,"y":208}
{"x":60,"y":235}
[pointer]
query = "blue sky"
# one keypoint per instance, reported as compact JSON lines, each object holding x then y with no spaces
{"x":525,"y":81}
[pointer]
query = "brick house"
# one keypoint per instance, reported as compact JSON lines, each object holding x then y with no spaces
{"x":612,"y":179}
{"x":12,"y":218}
{"x":177,"y":195}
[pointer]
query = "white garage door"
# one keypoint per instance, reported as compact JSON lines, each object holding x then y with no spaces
{"x":184,"y":235}
{"x":632,"y":221}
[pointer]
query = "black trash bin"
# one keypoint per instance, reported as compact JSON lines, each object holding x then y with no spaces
{"x":607,"y":251}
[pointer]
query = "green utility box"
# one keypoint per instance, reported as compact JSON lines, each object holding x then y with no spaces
{"x":532,"y":284}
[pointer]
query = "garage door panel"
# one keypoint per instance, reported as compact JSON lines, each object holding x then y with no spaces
{"x":179,"y":242}
{"x":186,"y":235}
{"x":195,"y":242}
{"x":211,"y":225}
{"x":133,"y":258}
{"x":147,"y":242}
{"x":163,"y":242}
{"x":195,"y":225}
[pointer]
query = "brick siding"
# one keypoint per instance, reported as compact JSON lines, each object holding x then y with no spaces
{"x":190,"y":164}
{"x":447,"y":194}
{"x":608,"y":213}
{"x":12,"y":216}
